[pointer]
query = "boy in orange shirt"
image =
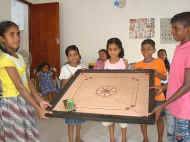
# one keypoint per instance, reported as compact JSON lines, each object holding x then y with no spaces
{"x":147,"y":50}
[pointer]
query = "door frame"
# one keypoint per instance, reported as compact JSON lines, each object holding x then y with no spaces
{"x":30,"y":4}
{"x":26,"y":2}
{"x":30,"y":36}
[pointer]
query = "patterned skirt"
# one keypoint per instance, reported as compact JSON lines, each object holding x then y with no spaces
{"x":17,"y":121}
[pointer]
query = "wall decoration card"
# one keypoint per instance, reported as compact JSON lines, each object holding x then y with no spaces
{"x":141,"y":28}
{"x":119,"y":3}
{"x":165,"y":31}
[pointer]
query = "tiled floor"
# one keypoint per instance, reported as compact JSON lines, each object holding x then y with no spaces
{"x":54,"y":130}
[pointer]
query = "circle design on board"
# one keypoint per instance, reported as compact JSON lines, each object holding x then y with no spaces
{"x":106,"y":91}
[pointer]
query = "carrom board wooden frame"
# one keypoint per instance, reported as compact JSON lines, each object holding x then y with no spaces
{"x":113,"y":118}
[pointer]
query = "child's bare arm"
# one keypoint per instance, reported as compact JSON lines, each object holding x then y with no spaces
{"x":164,"y":87}
{"x":126,"y":63}
{"x":44,"y":104}
{"x":160,"y":89}
{"x":13,"y":74}
{"x":184,"y":88}
{"x":63,"y":82}
{"x":160,"y":75}
{"x":34,"y":91}
{"x":180,"y":92}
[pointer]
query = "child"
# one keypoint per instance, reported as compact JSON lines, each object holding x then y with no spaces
{"x":178,"y":91}
{"x":115,"y":62}
{"x":19,"y":98}
{"x":147,"y":50}
{"x":67,"y":71}
{"x":101,"y":60}
{"x":162,"y":54}
{"x":46,"y":84}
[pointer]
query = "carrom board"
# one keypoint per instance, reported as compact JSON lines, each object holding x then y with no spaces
{"x":109,"y":95}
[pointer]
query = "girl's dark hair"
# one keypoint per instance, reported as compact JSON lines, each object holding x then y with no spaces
{"x":70,"y":48}
{"x":4,"y":27}
{"x":117,"y":42}
{"x":148,"y":41}
{"x":103,"y":50}
{"x":166,"y":61}
{"x":183,"y":18}
{"x":40,"y":67}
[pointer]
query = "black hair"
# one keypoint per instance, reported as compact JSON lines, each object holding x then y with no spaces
{"x":148,"y":41}
{"x":4,"y":27}
{"x":42,"y":65}
{"x":166,"y":61}
{"x":70,"y":48}
{"x":183,"y":18}
{"x":102,"y":50}
{"x":117,"y":42}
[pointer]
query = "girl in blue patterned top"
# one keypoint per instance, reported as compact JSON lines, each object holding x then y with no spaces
{"x":46,"y":84}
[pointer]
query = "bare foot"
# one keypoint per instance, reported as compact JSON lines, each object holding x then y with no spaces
{"x":79,"y":140}
{"x":145,"y":140}
{"x":160,"y":140}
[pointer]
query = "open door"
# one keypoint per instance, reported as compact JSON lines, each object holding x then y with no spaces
{"x":44,"y":34}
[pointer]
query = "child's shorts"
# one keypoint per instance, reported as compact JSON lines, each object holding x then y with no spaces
{"x":74,"y":121}
{"x":178,"y":130}
{"x":107,"y":124}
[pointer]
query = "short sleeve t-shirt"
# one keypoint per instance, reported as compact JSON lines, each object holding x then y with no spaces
{"x":8,"y":87}
{"x":181,"y":60}
{"x":116,"y":66}
{"x":67,"y":71}
{"x":99,"y":65}
{"x":157,"y":65}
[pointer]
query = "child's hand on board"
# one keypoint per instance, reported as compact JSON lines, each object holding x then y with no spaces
{"x":158,"y":89}
{"x":157,"y":111}
{"x":42,"y":113}
{"x":45,"y":104}
{"x":126,"y":63}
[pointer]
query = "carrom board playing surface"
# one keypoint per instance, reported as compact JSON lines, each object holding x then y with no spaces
{"x":120,"y":96}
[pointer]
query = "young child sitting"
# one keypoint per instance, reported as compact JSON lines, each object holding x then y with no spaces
{"x":101,"y":60}
{"x":46,"y":83}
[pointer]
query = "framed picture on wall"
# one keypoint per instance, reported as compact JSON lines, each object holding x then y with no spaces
{"x":165,"y":31}
{"x":141,"y":28}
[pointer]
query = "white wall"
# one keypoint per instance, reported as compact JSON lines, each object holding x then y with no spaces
{"x":89,"y":23}
{"x":19,"y":14}
{"x":5,"y":13}
{"x":8,"y":11}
